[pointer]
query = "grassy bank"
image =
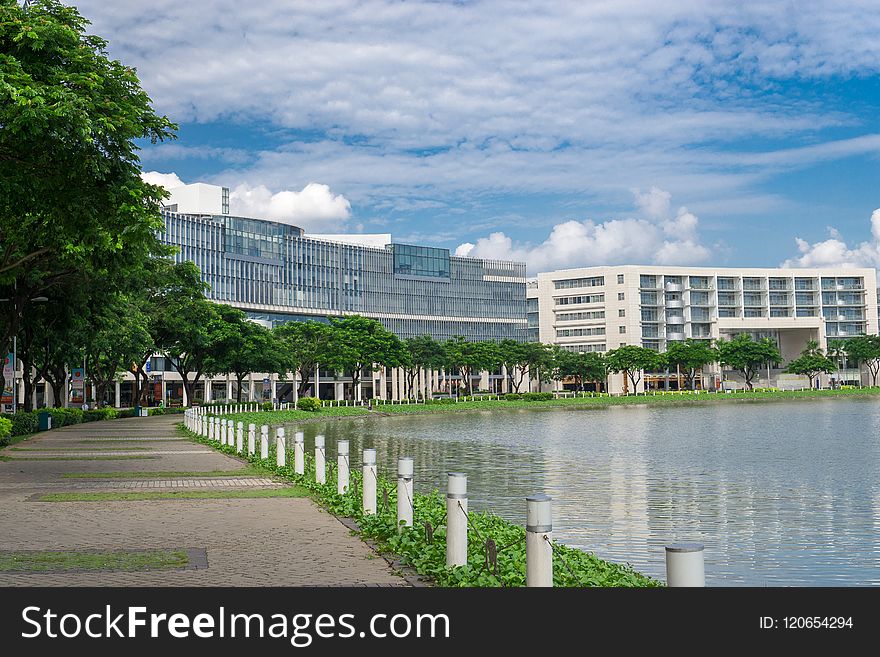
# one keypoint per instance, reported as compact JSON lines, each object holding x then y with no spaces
{"x":684,"y":398}
{"x":424,"y":545}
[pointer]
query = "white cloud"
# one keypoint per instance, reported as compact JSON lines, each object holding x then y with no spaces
{"x":834,"y":252}
{"x":314,"y":208}
{"x":658,"y":237}
{"x":446,"y":99}
{"x":166,"y":180}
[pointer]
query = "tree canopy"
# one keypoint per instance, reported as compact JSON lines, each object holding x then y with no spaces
{"x":747,"y":356}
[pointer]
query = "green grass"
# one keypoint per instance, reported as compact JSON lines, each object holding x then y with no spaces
{"x":125,"y":457}
{"x":244,"y":472}
{"x":293,"y":491}
{"x":79,"y":449}
{"x":42,"y":562}
{"x":5,"y":458}
{"x":279,"y":417}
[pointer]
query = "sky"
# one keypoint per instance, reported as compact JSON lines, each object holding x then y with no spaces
{"x":564,"y":134}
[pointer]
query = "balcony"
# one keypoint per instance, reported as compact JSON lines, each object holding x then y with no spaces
{"x":675,"y":303}
{"x":675,"y":336}
{"x":673,"y":287}
{"x":675,"y":319}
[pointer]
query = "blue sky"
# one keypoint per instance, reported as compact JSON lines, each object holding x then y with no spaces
{"x":564,"y":134}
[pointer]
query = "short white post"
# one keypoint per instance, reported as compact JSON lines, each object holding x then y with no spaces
{"x":264,"y":441}
{"x":299,"y":453}
{"x":320,"y":460}
{"x":280,"y":447}
{"x":239,"y":437}
{"x":404,"y":491}
{"x":456,"y":519}
{"x":342,"y":479}
{"x":539,"y":537}
{"x":205,"y":427}
{"x":210,"y":427}
{"x":685,"y":565}
{"x":230,"y":433}
{"x":369,"y":482}
{"x":252,"y":438}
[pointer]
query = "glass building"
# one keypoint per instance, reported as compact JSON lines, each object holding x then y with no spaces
{"x":276,"y":273}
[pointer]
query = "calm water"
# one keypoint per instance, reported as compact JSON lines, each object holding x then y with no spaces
{"x":780,"y":493}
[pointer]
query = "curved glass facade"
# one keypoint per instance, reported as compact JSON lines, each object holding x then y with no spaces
{"x":275,"y":273}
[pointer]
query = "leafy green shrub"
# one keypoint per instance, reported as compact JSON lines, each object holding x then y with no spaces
{"x":441,"y":400}
{"x":156,"y":411}
{"x":62,"y":417}
{"x":512,"y":396}
{"x":5,"y":431}
{"x":100,"y":414}
{"x":125,"y":412}
{"x":309,"y":404}
{"x":537,"y":396}
{"x":23,"y":422}
{"x":266,"y":406}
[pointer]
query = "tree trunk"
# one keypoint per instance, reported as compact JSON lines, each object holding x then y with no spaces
{"x":305,"y":375}
{"x":239,"y":380}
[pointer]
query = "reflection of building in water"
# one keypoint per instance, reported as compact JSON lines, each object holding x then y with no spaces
{"x":597,"y":309}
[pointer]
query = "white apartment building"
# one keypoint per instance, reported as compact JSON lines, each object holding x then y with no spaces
{"x":602,"y":308}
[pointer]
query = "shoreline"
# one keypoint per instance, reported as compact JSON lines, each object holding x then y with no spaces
{"x":292,"y":416}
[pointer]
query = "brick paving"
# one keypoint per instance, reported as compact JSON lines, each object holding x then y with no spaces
{"x":249,"y":542}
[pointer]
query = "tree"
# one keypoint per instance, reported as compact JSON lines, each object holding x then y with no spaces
{"x":187,"y":332}
{"x":865,"y":349}
{"x":71,"y":196}
{"x":811,"y":362}
{"x":469,"y":357}
{"x":305,"y":345}
{"x":632,"y":361}
{"x":522,"y":358}
{"x":691,"y":356}
{"x":362,"y":343}
{"x":746,"y":355}
{"x":242,"y":347}
{"x":581,"y":366}
{"x":418,"y":353}
{"x":837,"y":353}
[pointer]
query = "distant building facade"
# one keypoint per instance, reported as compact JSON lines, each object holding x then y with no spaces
{"x":602,"y":308}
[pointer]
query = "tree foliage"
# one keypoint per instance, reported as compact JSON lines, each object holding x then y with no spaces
{"x":632,"y":361}
{"x":690,"y":356}
{"x":747,"y":356}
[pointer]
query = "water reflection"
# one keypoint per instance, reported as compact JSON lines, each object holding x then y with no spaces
{"x":780,"y":493}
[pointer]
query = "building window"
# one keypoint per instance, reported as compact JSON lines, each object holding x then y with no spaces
{"x":620,"y":296}
{"x":621,"y":312}
{"x":621,"y":329}
{"x":620,"y":279}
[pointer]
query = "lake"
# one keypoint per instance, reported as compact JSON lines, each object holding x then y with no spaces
{"x":780,"y":493}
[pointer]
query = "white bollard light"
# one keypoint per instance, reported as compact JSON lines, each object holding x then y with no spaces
{"x":369,"y":482}
{"x":223,"y":432}
{"x":264,"y":441}
{"x":342,"y":467}
{"x":685,"y":565}
{"x":404,"y":491}
{"x":280,"y":447}
{"x":239,"y":437}
{"x":456,"y":519}
{"x":230,"y":433}
{"x":299,"y":453}
{"x":539,"y":537}
{"x":211,"y":428}
{"x":205,"y":426}
{"x":252,"y":439}
{"x":320,"y":460}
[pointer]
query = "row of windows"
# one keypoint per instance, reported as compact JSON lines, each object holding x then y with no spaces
{"x":580,"y":332}
{"x":585,"y":315}
{"x":580,"y":299}
{"x":567,"y":284}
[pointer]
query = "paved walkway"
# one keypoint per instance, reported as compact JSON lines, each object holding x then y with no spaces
{"x":249,"y":542}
